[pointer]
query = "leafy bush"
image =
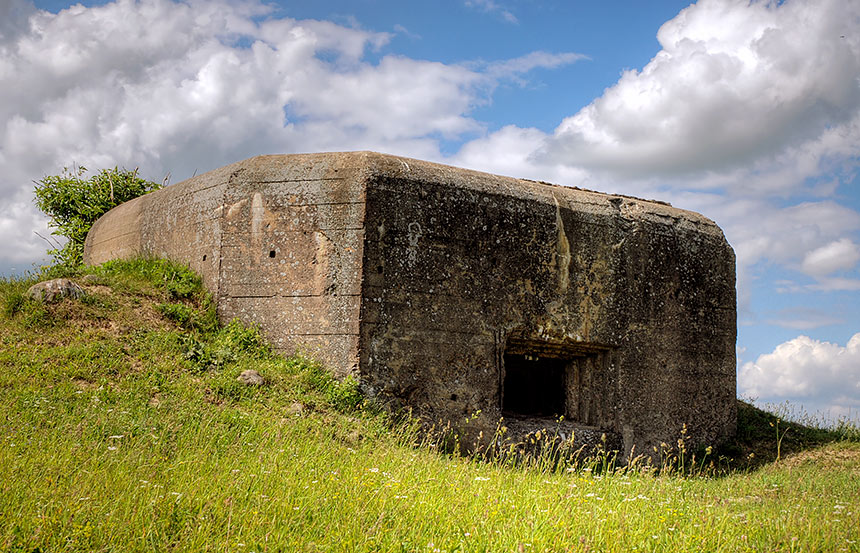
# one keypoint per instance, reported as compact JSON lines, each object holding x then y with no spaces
{"x":179,"y":313}
{"x":231,"y":341}
{"x":204,"y":355}
{"x":74,"y":204}
{"x":239,"y":338}
{"x":344,"y":395}
{"x":190,"y":318}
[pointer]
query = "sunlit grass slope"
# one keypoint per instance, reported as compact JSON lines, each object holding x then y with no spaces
{"x":123,"y":428}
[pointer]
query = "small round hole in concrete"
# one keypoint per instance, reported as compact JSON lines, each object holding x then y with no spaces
{"x":272,"y":253}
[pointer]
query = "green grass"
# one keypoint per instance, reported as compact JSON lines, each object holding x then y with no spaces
{"x":123,"y":428}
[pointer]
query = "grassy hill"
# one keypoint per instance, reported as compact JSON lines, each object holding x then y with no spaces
{"x":123,"y":428}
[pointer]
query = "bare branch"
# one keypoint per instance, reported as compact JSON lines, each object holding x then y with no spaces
{"x":53,"y":244}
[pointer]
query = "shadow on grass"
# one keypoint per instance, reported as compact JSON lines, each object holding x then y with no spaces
{"x":763,"y":438}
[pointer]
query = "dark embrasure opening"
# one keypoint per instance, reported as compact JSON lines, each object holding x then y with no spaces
{"x":534,"y":386}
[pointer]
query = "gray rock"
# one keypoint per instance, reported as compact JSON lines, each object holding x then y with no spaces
{"x":295,"y":409}
{"x":55,"y":290}
{"x":251,"y":378}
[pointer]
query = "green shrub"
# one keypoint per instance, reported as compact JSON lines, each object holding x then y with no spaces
{"x":204,"y":355}
{"x":13,"y":303}
{"x":344,"y":395}
{"x":179,"y":313}
{"x":181,"y":282}
{"x":13,"y":295}
{"x":204,"y":319}
{"x":215,"y":352}
{"x":239,"y":338}
{"x":74,"y":204}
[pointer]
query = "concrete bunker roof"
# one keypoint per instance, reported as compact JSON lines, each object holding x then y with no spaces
{"x":368,"y":166}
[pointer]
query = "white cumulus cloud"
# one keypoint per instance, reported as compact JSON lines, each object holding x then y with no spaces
{"x":839,"y":255}
{"x":820,"y":375}
{"x":736,"y":84}
{"x":186,"y":86}
{"x":749,"y":113}
{"x":490,"y":6}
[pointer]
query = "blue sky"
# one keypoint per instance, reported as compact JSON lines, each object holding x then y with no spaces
{"x":748,"y":112}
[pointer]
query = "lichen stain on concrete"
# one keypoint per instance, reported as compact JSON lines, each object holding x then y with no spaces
{"x":321,"y":261}
{"x":235,"y":208}
{"x":413,"y":237}
{"x":258,"y":213}
{"x":591,"y":291}
{"x":562,"y":251}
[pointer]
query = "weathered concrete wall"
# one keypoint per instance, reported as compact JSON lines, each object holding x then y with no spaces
{"x":454,"y":291}
{"x":278,"y":240}
{"x":291,"y":254}
{"x":637,"y":298}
